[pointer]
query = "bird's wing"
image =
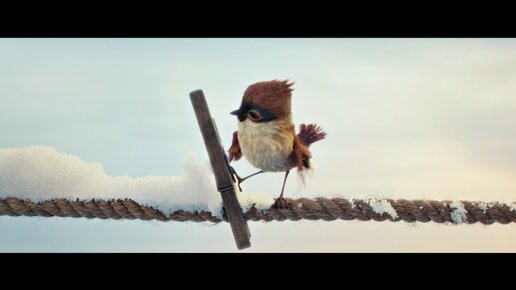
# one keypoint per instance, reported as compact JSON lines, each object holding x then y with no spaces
{"x":234,"y":151}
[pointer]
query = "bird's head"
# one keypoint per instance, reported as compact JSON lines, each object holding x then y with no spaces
{"x":265,"y":101}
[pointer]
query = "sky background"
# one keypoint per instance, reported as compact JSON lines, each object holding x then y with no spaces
{"x":406,"y":118}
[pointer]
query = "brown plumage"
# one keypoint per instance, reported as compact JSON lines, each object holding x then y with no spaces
{"x":307,"y":135}
{"x":266,"y":135}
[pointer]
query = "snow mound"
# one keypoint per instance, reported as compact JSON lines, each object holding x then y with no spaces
{"x":39,"y":173}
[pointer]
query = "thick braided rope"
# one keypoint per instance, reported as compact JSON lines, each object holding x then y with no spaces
{"x":303,"y":208}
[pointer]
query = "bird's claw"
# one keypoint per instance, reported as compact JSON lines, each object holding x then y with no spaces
{"x":280,"y":203}
{"x":235,"y":175}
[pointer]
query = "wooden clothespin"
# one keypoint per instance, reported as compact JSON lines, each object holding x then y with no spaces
{"x":223,"y":176}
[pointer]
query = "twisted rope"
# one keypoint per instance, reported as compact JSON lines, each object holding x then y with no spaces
{"x":303,"y":208}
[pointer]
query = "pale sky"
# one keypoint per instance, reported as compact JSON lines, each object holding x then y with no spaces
{"x":406,"y":118}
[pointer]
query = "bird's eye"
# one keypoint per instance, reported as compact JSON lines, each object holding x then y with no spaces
{"x":254,"y":115}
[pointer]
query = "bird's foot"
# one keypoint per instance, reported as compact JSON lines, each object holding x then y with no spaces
{"x":235,"y":175}
{"x":280,"y":203}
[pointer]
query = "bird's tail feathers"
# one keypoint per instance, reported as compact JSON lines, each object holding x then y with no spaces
{"x":310,"y":133}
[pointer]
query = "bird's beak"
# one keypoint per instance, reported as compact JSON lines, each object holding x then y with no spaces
{"x":236,"y":112}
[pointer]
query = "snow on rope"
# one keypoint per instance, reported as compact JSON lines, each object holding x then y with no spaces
{"x":327,"y":209}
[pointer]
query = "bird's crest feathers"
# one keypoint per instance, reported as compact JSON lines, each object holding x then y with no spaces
{"x":274,"y":96}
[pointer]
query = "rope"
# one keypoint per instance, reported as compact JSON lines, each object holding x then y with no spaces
{"x":302,"y":208}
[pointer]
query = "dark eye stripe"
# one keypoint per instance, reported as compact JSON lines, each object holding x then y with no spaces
{"x":265,"y":114}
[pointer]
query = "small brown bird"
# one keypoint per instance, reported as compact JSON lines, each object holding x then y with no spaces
{"x":266,"y":134}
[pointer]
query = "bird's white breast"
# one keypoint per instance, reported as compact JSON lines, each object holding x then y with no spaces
{"x":268,"y":145}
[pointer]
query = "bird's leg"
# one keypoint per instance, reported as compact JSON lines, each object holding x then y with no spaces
{"x":240,"y":179}
{"x":256,"y":173}
{"x":284,"y":181}
{"x":280,"y":201}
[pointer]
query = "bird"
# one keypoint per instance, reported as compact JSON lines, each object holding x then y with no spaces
{"x":266,"y":134}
